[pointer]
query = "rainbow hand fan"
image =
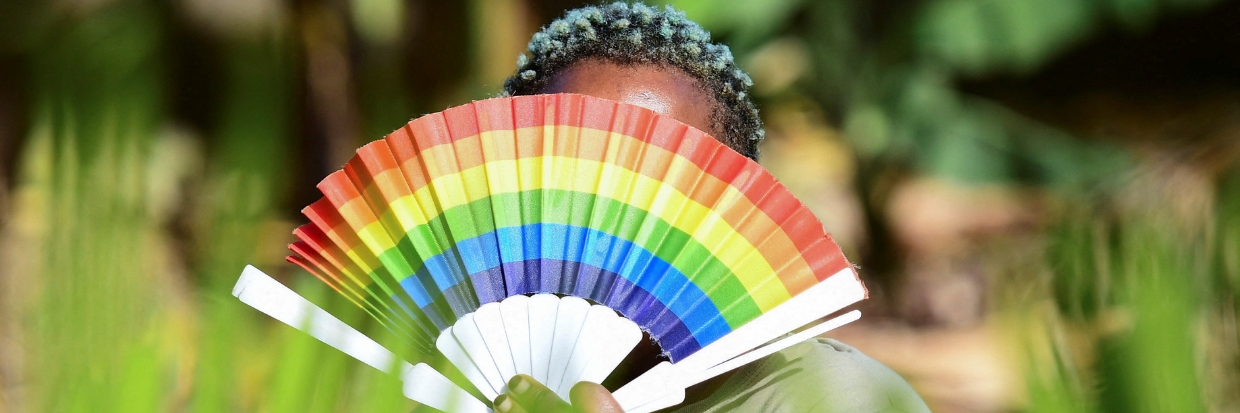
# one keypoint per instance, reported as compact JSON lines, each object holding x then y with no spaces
{"x":544,"y":234}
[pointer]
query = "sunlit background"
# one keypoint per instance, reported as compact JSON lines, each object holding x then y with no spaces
{"x":1043,"y":196}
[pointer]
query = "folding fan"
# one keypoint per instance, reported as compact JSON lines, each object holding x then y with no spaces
{"x":543,"y":235}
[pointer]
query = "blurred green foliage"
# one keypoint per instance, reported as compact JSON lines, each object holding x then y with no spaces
{"x":95,"y":111}
{"x":165,"y":150}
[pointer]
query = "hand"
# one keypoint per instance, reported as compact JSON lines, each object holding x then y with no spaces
{"x":526,"y":395}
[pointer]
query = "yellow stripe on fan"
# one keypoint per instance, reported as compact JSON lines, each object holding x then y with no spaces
{"x":705,"y":225}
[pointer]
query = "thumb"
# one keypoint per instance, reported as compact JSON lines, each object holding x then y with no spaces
{"x":590,"y":397}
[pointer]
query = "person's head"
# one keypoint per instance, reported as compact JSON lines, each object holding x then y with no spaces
{"x":648,"y":57}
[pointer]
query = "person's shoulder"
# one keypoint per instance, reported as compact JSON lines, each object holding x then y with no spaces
{"x":817,"y":376}
{"x":846,"y":379}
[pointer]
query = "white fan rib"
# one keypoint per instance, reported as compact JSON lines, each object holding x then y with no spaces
{"x":466,"y":333}
{"x":593,"y":332}
{"x":840,"y":290}
{"x":454,"y":352}
{"x":753,"y":355}
{"x":558,"y":341}
{"x":760,"y":352}
{"x":515,"y":312}
{"x":422,"y":383}
{"x":542,"y":327}
{"x":586,"y":342}
{"x":491,"y":326}
{"x":625,"y":334}
{"x":569,"y":322}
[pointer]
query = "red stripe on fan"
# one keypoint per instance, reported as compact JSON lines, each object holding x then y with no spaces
{"x":310,"y":256}
{"x":323,"y":245}
{"x":429,"y":131}
{"x":310,"y":269}
{"x":375,"y":158}
{"x":461,"y":121}
{"x":405,"y":152}
{"x":325,"y":217}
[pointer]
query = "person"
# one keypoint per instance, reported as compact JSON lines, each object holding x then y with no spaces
{"x":660,"y":60}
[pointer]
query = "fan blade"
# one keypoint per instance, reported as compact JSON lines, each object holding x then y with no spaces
{"x":569,"y":321}
{"x":257,"y":289}
{"x":671,"y":399}
{"x":425,"y":385}
{"x":753,"y":355}
{"x":614,"y":349}
{"x":605,"y":340}
{"x":467,"y":334}
{"x":542,"y":329}
{"x":824,"y":298}
{"x":454,"y":352}
{"x":422,"y":383}
{"x":760,"y":352}
{"x":515,"y":312}
{"x":829,"y":296}
{"x":588,"y":342}
{"x":491,"y":326}
{"x":654,"y":385}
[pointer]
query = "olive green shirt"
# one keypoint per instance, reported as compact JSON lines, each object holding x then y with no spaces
{"x":817,"y":376}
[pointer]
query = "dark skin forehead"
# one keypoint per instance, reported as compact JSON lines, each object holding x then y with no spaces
{"x":663,"y":89}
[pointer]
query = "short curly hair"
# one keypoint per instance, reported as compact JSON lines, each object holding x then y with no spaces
{"x":639,"y":34}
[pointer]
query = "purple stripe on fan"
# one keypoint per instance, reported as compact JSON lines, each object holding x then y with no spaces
{"x":595,"y":284}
